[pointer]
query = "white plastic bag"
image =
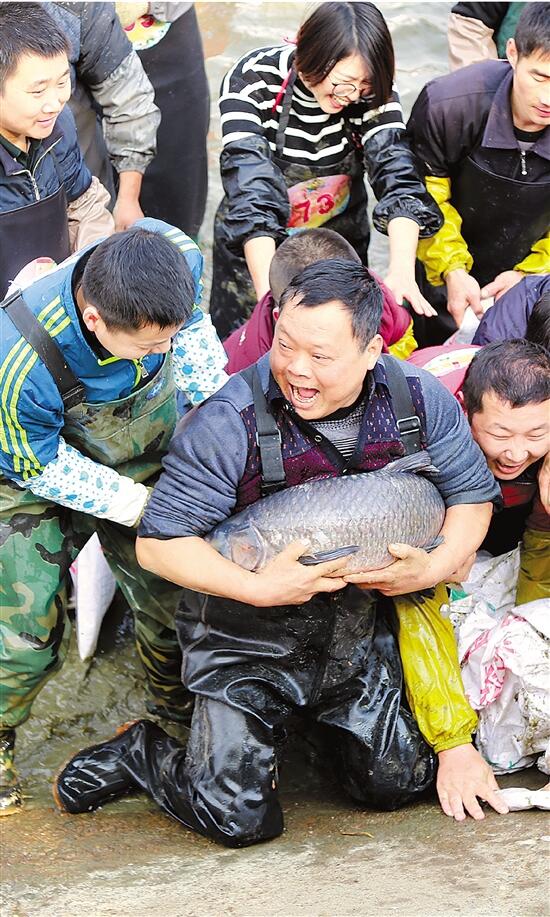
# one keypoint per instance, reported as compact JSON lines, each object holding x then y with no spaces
{"x":95,"y":587}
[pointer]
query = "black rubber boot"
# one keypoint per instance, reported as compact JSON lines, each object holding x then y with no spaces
{"x":105,"y":771}
{"x":10,"y":788}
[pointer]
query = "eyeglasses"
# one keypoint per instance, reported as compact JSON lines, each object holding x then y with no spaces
{"x":345,"y":90}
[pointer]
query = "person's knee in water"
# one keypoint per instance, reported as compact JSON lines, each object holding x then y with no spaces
{"x":92,"y":414}
{"x":293,"y":635}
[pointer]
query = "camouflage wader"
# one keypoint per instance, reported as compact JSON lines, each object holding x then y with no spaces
{"x":39,"y":540}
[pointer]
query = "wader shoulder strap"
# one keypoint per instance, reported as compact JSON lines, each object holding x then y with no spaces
{"x":408,"y":422}
{"x":70,"y":388}
{"x":268,"y":437}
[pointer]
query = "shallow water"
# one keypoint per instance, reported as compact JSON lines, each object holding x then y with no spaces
{"x":85,"y":701}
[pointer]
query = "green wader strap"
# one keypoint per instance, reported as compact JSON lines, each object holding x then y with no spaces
{"x":70,"y":388}
{"x":268,"y":437}
{"x":408,"y":421}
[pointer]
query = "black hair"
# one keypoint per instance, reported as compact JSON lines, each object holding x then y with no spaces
{"x":346,"y":282}
{"x":303,"y":248}
{"x":533,"y":30}
{"x":26,"y":28}
{"x":337,"y":30}
{"x":516,"y":371}
{"x":138,"y":278}
{"x":538,"y":326}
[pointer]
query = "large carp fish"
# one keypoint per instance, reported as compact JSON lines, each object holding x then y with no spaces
{"x":359,"y":516}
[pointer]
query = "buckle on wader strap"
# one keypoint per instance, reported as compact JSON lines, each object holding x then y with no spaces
{"x":70,"y":388}
{"x":268,"y":437}
{"x":408,"y":422}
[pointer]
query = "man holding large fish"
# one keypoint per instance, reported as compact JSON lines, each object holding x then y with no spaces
{"x":267,"y":634}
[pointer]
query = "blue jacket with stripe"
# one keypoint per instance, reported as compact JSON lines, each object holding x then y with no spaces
{"x":31,"y":408}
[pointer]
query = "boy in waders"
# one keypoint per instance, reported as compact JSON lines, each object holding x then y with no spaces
{"x":293,"y":638}
{"x":90,"y":356}
{"x":49,"y":203}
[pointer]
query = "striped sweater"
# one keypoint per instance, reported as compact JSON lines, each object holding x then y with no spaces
{"x":250,"y":107}
{"x":247,"y":106}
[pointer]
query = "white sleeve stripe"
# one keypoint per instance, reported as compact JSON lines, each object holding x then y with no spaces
{"x":268,"y":103}
{"x":237,"y":135}
{"x":240,"y":116}
{"x":382,"y":110}
{"x":382,"y":127}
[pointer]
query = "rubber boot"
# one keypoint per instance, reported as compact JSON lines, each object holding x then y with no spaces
{"x":10,"y":788}
{"x":105,"y":771}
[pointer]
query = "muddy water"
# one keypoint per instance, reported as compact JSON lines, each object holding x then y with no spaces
{"x":333,"y":859}
{"x":85,"y":700}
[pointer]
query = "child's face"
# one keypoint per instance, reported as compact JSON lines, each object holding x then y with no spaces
{"x":511,"y":438}
{"x":33,"y":96}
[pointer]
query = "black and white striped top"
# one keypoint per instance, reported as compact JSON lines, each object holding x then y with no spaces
{"x":248,"y":95}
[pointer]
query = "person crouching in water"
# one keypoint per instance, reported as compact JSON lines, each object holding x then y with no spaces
{"x":507,"y":397}
{"x":259,"y":646}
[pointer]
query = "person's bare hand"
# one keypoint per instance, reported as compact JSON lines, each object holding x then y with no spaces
{"x":463,"y":777}
{"x":544,"y":483}
{"x":462,"y":291}
{"x":501,"y":284}
{"x":285,"y":581}
{"x":126,"y":212}
{"x":404,"y":286}
{"x":410,"y":572}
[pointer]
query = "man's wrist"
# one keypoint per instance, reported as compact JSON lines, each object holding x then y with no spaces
{"x":458,"y":266}
{"x":450,"y":744}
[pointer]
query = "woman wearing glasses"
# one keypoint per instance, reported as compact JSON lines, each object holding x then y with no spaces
{"x":301,"y":128}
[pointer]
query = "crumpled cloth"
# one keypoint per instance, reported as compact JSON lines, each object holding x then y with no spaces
{"x":504,"y":652}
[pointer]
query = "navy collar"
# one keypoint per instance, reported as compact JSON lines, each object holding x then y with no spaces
{"x":499,"y":129}
{"x":11,"y":166}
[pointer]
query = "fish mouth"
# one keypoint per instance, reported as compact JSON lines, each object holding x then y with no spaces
{"x":301,"y":396}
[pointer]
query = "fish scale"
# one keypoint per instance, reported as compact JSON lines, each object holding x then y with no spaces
{"x":367,"y":511}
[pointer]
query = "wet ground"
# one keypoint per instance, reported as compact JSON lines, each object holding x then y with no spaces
{"x":333,"y":859}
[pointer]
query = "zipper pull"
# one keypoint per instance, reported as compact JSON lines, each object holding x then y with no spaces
{"x":144,"y":370}
{"x":523,"y":163}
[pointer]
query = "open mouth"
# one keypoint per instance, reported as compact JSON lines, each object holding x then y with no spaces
{"x":509,"y":469}
{"x":302,"y":397}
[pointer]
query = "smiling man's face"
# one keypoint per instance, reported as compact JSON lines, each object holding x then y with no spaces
{"x":317,"y":361}
{"x":511,"y":438}
{"x":33,"y":96}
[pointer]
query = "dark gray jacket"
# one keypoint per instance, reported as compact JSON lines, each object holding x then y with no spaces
{"x":108,"y":75}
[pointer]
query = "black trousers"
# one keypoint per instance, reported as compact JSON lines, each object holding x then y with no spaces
{"x":225,"y":784}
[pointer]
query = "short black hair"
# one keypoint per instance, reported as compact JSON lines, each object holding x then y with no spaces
{"x":538,"y":326}
{"x":338,"y":30}
{"x":533,"y":30}
{"x":138,"y":278}
{"x":26,"y":28}
{"x":343,"y":281}
{"x":516,"y":371}
{"x":303,"y":248}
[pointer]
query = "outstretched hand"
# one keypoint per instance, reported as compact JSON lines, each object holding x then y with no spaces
{"x":463,"y":777}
